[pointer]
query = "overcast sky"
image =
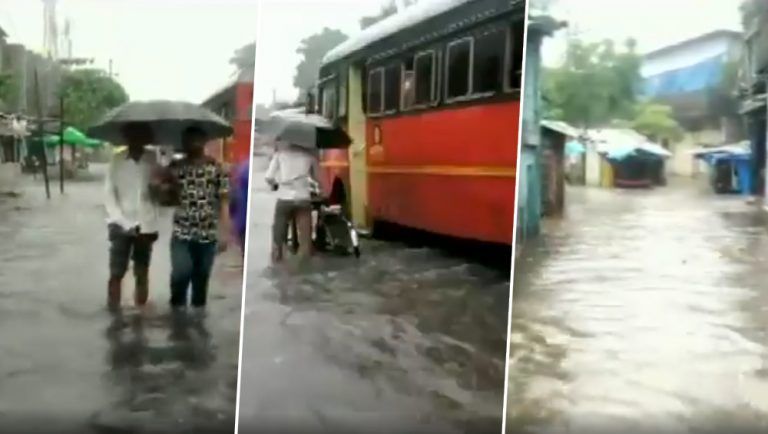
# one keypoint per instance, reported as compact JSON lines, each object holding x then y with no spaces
{"x":285,"y":23}
{"x":175,"y":49}
{"x":654,"y":23}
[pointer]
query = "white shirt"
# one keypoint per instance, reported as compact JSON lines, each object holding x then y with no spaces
{"x":292,"y":170}
{"x":127,"y":192}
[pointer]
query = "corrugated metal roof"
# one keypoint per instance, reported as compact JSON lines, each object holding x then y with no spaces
{"x":561,"y":127}
{"x":409,"y":17}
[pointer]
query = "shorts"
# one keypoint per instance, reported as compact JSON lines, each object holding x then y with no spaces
{"x":285,"y":211}
{"x":124,"y":247}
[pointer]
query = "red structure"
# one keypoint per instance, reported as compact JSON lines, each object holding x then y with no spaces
{"x":431,"y":97}
{"x":234,"y":102}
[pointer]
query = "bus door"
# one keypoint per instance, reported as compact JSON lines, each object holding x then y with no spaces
{"x":358,"y":172}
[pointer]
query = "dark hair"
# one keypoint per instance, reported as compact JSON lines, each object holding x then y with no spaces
{"x":195,"y":132}
{"x":131,"y":127}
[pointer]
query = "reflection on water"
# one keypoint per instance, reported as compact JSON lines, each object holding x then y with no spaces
{"x":643,"y":310}
{"x":159,"y":367}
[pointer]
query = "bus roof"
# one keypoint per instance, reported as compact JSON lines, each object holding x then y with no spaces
{"x":409,"y":17}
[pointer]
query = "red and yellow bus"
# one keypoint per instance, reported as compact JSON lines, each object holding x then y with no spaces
{"x":431,"y":98}
{"x":234,"y":102}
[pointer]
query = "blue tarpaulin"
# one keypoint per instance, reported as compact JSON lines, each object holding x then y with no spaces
{"x":574,"y":148}
{"x":739,"y":158}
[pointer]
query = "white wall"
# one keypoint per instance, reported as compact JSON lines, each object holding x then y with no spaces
{"x":10,"y":177}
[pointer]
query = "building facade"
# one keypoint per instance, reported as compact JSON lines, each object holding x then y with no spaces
{"x":692,"y":77}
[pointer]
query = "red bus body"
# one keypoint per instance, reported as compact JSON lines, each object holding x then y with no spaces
{"x":234,"y":102}
{"x":446,"y":165}
{"x":448,"y":171}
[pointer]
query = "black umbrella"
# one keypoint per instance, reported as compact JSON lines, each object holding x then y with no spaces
{"x":168,"y":120}
{"x":308,"y":131}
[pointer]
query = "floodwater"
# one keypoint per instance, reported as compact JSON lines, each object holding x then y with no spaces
{"x":643,"y":311}
{"x":66,"y":365}
{"x":404,"y":339}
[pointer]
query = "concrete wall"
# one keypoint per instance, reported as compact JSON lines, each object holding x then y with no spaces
{"x":10,"y":177}
{"x":682,"y":162}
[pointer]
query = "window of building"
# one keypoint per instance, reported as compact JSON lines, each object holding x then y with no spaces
{"x":392,"y":77}
{"x":515,"y":52}
{"x":488,"y":62}
{"x":459,"y":68}
{"x":375,"y":100}
{"x":424,"y":93}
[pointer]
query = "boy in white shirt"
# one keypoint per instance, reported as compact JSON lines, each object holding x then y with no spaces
{"x":131,"y":214}
{"x":292,"y":172}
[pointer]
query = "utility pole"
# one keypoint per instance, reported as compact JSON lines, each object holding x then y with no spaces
{"x":110,"y":68}
{"x":40,"y":133}
{"x":61,"y":142}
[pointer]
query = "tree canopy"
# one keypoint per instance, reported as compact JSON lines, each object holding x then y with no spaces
{"x":88,"y":95}
{"x":596,"y":84}
{"x":9,"y":89}
{"x":312,"y":51}
{"x":656,"y":121}
{"x":244,"y":57}
{"x":752,"y":10}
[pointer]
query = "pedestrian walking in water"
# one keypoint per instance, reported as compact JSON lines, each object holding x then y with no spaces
{"x":131,"y":214}
{"x":239,"y":203}
{"x":292,"y":172}
{"x":199,"y":220}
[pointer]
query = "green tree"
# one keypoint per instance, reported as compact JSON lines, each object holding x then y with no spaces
{"x":656,"y":121}
{"x":244,"y":58}
{"x":595,"y":84}
{"x":752,"y":10}
{"x":312,"y":51}
{"x":88,"y":95}
{"x":9,"y":89}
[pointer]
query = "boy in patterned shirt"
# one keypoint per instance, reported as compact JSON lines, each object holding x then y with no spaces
{"x":201,"y":216}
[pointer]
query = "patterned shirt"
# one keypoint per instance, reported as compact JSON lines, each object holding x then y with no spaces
{"x":202,"y":187}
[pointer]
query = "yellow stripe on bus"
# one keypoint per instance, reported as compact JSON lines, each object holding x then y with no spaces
{"x":500,"y":172}
{"x":334,"y":164}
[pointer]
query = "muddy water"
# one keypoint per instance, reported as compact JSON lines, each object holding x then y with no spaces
{"x":405,"y":339}
{"x":643,"y":311}
{"x":66,"y":365}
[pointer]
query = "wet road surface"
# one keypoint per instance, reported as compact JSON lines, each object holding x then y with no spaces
{"x":643,"y":311}
{"x":401,"y":340}
{"x":68,"y":365}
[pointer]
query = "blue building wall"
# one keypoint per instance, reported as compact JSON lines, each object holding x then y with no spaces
{"x":703,"y":75}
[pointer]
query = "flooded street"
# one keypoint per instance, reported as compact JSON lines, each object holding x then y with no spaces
{"x":67,"y":365}
{"x":405,"y":339}
{"x":643,"y":311}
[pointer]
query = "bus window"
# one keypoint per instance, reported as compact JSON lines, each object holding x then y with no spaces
{"x":409,"y":86}
{"x":342,"y":100}
{"x":425,"y":78}
{"x":375,"y":99}
{"x":329,"y":101}
{"x":488,"y":62}
{"x":515,"y":51}
{"x":458,"y":64}
{"x":392,"y":88}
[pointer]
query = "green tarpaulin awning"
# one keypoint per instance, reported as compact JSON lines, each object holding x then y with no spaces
{"x":72,"y":136}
